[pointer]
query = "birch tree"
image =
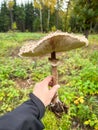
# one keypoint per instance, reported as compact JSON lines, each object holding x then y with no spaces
{"x":10,"y":7}
{"x":50,"y":4}
{"x":39,"y":4}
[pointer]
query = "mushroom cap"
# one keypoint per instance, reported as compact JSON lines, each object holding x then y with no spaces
{"x":58,"y":42}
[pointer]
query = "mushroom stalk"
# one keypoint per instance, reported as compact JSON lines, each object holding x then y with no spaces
{"x":56,"y":105}
{"x":54,"y":62}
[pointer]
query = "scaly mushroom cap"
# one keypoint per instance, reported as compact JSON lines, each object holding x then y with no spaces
{"x":57,"y":42}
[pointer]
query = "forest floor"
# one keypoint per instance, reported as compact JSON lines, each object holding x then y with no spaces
{"x":78,"y":77}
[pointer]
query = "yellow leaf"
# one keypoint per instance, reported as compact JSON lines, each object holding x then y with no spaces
{"x":81,"y":100}
{"x":9,"y":109}
{"x":87,"y":122}
{"x":76,"y":102}
{"x":1,"y":98}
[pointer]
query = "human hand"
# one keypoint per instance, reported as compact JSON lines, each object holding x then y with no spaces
{"x":42,"y":91}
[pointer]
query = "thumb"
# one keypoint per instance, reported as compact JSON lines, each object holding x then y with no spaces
{"x":54,"y":90}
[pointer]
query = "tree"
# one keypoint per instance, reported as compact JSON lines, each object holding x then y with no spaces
{"x":39,"y":5}
{"x":50,"y":5}
{"x":30,"y":16}
{"x":46,"y":8}
{"x":20,"y":17}
{"x":4,"y":18}
{"x":67,"y":14}
{"x":58,"y":8}
{"x":84,"y":14}
{"x":10,"y":7}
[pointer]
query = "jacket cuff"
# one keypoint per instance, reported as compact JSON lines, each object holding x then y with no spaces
{"x":39,"y":104}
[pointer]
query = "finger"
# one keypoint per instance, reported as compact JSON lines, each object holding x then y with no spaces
{"x":54,"y":90}
{"x":47,"y":80}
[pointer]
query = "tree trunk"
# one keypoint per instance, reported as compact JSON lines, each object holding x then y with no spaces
{"x":11,"y":17}
{"x":41,"y":24}
{"x":57,"y":14}
{"x":86,"y":33}
{"x":96,"y":27}
{"x":67,"y":10}
{"x":48,"y":19}
{"x":23,"y":27}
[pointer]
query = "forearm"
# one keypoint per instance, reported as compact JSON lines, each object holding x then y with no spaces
{"x":25,"y":117}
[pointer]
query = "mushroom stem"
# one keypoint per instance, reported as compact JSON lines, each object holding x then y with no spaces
{"x":54,"y":62}
{"x":55,"y":74}
{"x":56,"y":105}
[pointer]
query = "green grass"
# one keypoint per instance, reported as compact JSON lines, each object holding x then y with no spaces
{"x":78,"y":77}
{"x":20,"y":37}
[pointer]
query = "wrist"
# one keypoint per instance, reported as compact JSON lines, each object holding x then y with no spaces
{"x":39,"y":104}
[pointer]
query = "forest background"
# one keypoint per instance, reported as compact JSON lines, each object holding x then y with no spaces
{"x":77,"y":16}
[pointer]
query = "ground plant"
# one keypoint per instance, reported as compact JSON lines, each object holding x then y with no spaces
{"x":78,"y":78}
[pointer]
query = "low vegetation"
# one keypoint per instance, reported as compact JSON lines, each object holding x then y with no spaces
{"x":78,"y":77}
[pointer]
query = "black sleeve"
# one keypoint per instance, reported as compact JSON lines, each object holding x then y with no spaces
{"x":25,"y":117}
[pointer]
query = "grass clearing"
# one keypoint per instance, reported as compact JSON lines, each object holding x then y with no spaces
{"x":78,"y":77}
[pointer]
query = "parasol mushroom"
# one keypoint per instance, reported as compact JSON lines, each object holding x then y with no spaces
{"x":54,"y":42}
